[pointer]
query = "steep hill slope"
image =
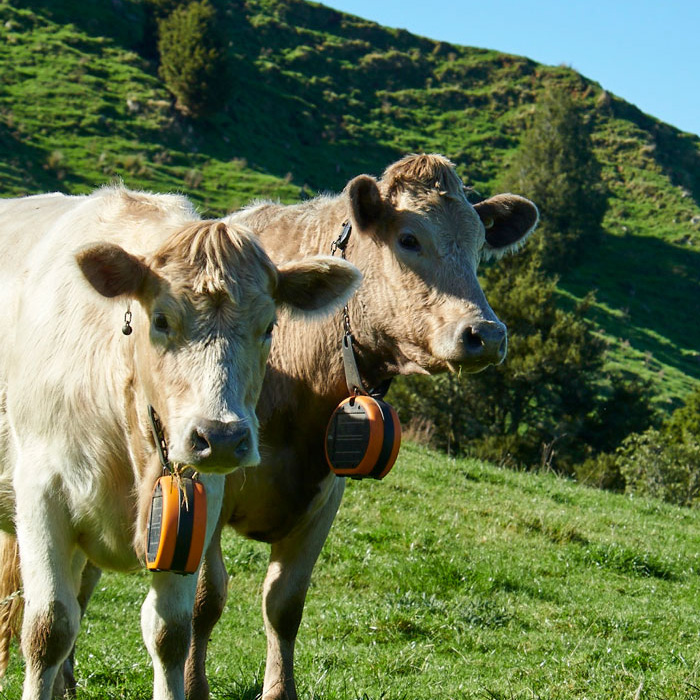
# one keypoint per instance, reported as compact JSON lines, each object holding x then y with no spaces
{"x":315,"y":97}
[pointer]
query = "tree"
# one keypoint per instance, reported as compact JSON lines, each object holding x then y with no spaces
{"x":557,"y":168}
{"x":192,"y":61}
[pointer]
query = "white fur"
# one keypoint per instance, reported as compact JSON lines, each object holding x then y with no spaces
{"x":75,"y":450}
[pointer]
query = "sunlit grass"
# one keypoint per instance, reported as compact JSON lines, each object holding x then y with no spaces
{"x":455,"y":579}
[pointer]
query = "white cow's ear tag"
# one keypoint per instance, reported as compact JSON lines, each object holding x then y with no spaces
{"x":177,"y":523}
{"x":177,"y":517}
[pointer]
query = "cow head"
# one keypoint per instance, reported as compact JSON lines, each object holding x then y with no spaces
{"x":203,"y":315}
{"x":423,"y":242}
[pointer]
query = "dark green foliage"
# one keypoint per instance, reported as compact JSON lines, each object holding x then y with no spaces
{"x":663,"y":463}
{"x":654,"y":464}
{"x":163,"y":8}
{"x":684,"y":423}
{"x":191,"y":58}
{"x":557,"y":168}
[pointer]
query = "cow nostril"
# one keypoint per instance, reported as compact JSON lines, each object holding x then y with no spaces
{"x":472,"y":340}
{"x":243,"y":447}
{"x":200,"y":444}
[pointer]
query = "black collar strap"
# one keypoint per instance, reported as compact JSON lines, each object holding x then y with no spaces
{"x":353,"y":379}
{"x":159,"y":437}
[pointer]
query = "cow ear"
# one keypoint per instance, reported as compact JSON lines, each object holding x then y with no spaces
{"x":508,"y":220}
{"x":112,"y":271}
{"x":318,"y":285}
{"x":366,"y":201}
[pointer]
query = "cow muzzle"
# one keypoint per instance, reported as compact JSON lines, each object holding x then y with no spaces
{"x":218,"y":446}
{"x":480,"y":344}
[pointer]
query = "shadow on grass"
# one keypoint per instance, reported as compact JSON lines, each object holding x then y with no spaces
{"x":655,"y":285}
{"x":24,"y":169}
{"x":120,"y":20}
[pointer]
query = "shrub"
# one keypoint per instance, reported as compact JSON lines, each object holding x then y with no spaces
{"x":191,"y":58}
{"x":662,"y":463}
{"x":653,"y":464}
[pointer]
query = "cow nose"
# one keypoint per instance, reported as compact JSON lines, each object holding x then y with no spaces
{"x":220,"y":442}
{"x":485,"y":341}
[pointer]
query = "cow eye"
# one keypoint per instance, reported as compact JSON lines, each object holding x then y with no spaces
{"x":409,"y":242}
{"x":160,"y":323}
{"x":269,"y":329}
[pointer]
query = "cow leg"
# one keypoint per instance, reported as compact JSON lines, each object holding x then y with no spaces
{"x":166,"y":614}
{"x":210,"y":599}
{"x":65,"y":684}
{"x":166,"y":619}
{"x":284,"y":592}
{"x":48,"y":562}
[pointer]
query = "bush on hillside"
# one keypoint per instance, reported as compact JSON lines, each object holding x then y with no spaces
{"x":684,"y":423}
{"x":191,"y":58}
{"x":662,"y":463}
{"x":556,"y":167}
{"x":653,"y":464}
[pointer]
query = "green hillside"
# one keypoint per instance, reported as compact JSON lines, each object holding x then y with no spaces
{"x":313,"y":97}
{"x":517,"y":586}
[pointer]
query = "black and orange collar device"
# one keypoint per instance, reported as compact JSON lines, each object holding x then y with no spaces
{"x":363,"y":437}
{"x":177,"y":517}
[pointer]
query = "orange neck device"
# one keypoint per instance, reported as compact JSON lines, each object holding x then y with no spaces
{"x":364,"y":434}
{"x":177,"y":518}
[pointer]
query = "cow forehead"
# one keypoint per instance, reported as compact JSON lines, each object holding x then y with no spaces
{"x":448,"y":218}
{"x":210,"y":262}
{"x":233,"y":312}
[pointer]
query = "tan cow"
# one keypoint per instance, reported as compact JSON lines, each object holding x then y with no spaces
{"x":77,"y":455}
{"x":420,"y":309}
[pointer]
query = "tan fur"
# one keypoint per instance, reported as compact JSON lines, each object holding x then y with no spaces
{"x":418,"y":310}
{"x":11,"y":600}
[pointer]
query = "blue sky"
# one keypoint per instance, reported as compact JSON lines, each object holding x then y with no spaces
{"x":645,"y":52}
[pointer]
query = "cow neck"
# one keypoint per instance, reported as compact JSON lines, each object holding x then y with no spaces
{"x":353,"y":378}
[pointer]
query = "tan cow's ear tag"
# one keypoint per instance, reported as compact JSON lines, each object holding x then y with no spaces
{"x":176,"y":526}
{"x":363,"y":438}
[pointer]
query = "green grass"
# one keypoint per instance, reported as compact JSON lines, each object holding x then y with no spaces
{"x":452,"y":579}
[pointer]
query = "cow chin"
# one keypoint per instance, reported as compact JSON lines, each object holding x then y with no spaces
{"x":225,"y":466}
{"x":455,"y":365}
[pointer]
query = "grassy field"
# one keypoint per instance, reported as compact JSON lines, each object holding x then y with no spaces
{"x":451,"y":579}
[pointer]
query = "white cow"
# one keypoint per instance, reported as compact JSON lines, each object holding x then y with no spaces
{"x":77,"y":457}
